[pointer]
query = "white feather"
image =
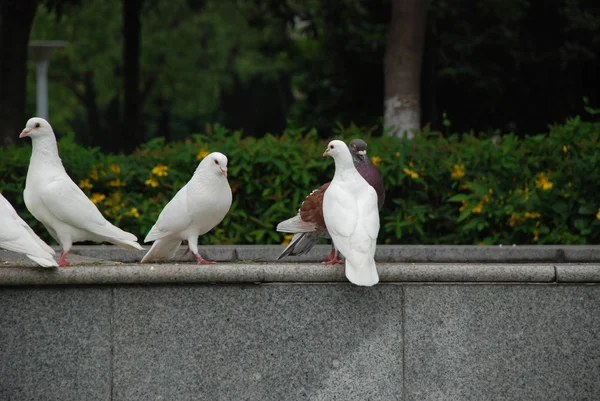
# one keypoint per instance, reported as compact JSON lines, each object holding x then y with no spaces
{"x":17,"y":236}
{"x":199,"y":206}
{"x":352,"y":217}
{"x":54,"y":199}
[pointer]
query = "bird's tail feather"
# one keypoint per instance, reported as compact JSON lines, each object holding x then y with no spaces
{"x":365,"y":275}
{"x":162,"y":249}
{"x":300,"y":244}
{"x":131,"y":245}
{"x":115,"y":235}
{"x":295,"y":225}
{"x":44,"y":262}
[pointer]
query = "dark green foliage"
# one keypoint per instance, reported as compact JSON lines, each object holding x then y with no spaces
{"x":441,"y":188}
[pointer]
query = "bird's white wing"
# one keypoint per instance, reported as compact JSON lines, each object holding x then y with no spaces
{"x":369,"y":212}
{"x":353,"y":223}
{"x":17,"y":236}
{"x":174,"y":218}
{"x":340,"y":213}
{"x":67,"y":203}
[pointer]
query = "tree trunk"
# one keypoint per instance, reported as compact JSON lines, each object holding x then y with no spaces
{"x":16,"y":18}
{"x":403,"y":56}
{"x":130,"y":136}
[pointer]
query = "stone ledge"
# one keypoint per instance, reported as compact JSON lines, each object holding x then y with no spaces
{"x":105,"y":273}
{"x":385,"y":253}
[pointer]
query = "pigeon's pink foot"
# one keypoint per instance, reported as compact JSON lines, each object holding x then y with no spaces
{"x":186,"y":251}
{"x":63,"y":260}
{"x":202,"y":261}
{"x":332,"y":258}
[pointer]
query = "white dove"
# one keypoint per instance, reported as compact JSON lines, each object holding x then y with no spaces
{"x":351,"y":216}
{"x":54,"y":199}
{"x":200,"y":205}
{"x":17,"y":236}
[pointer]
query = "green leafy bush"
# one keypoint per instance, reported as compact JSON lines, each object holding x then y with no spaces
{"x":442,"y":188}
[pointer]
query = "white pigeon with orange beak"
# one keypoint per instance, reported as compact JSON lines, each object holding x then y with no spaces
{"x":351,"y":216}
{"x":199,"y":206}
{"x":54,"y":199}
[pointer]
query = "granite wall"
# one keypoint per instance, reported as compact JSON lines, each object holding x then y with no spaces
{"x":335,"y":341}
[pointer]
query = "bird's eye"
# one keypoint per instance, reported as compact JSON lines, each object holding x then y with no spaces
{"x":216,"y":162}
{"x":37,"y":125}
{"x":331,"y":147}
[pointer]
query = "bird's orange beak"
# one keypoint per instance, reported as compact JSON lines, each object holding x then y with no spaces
{"x":224,"y":171}
{"x":25,"y":132}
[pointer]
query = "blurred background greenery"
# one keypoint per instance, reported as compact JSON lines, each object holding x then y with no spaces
{"x":507,"y":150}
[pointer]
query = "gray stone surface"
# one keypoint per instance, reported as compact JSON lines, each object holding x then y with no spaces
{"x":105,"y":273}
{"x":467,"y":272}
{"x":270,"y":342}
{"x":577,"y":273}
{"x":502,"y":342}
{"x":310,"y":341}
{"x":55,"y":344}
{"x":385,"y":253}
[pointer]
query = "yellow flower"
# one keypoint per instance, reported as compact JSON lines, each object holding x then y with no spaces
{"x":458,"y":171}
{"x":202,"y":153}
{"x":513,"y":220}
{"x":397,"y":154}
{"x":116,"y":183}
{"x":477,"y":209}
{"x":543,"y":182}
{"x":151,"y":182}
{"x":94,"y":174}
{"x":535,"y":235}
{"x":412,"y":174}
{"x":85,"y":184}
{"x":565,"y":149}
{"x":133,"y":212}
{"x":533,"y":215}
{"x":598,"y":214}
{"x":287,"y":238}
{"x":464,"y":206}
{"x":376,"y":160}
{"x":160,"y":170}
{"x":97,"y":198}
{"x":114,"y":168}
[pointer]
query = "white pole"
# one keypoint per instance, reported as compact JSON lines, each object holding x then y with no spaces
{"x":42,"y":88}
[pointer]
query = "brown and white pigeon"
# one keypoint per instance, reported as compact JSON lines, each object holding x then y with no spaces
{"x":17,"y":236}
{"x":352,"y":216}
{"x":308,"y":225}
{"x":200,"y":205}
{"x":53,"y":198}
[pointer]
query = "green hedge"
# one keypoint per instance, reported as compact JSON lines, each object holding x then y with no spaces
{"x":441,"y":188}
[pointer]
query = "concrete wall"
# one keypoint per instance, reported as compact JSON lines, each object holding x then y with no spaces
{"x":301,"y":341}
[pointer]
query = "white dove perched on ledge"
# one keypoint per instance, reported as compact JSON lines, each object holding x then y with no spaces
{"x":54,"y":199}
{"x":200,"y":205}
{"x":17,"y":236}
{"x":352,"y":216}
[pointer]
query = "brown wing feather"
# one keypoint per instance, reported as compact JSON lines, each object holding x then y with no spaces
{"x":312,"y":208}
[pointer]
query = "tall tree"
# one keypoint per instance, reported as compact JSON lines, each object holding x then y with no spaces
{"x":16,"y":18}
{"x":131,"y":74}
{"x":406,"y":36}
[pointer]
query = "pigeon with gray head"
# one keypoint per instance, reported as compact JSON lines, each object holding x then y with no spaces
{"x":351,"y":216}
{"x":200,"y":205}
{"x":308,"y":225}
{"x":17,"y":236}
{"x":54,"y":199}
